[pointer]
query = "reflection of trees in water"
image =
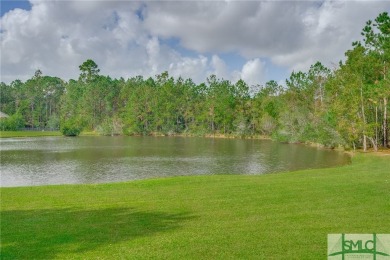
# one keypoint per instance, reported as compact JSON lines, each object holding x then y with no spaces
{"x":111,"y":159}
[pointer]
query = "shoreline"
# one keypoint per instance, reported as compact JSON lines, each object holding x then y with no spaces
{"x":25,"y":134}
{"x":184,"y":217}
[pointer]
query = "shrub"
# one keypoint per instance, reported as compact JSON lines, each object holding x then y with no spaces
{"x":110,"y":127}
{"x":282,"y":136}
{"x":54,"y":122}
{"x":71,"y":127}
{"x":12,"y":123}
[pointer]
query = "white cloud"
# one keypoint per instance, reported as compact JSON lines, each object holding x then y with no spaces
{"x":194,"y":68}
{"x":253,"y":28}
{"x":128,"y":38}
{"x":57,"y":37}
{"x":153,"y":51}
{"x":253,"y":73}
{"x":293,"y":34}
{"x":219,"y":67}
{"x":329,"y":32}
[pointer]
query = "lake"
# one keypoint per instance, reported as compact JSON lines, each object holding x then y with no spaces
{"x":67,"y":160}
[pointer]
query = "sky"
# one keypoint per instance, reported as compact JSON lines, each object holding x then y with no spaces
{"x":256,"y":41}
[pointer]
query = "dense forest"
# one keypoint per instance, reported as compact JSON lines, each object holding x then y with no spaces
{"x":345,"y":106}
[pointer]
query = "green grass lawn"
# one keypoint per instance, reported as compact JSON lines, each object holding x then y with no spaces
{"x":274,"y":216}
{"x":8,"y":134}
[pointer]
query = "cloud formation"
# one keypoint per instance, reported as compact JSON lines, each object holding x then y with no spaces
{"x":128,"y":38}
{"x":253,"y":72}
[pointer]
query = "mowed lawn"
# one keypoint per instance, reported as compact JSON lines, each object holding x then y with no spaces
{"x":6,"y":134}
{"x":274,"y":216}
{"x":15,"y":134}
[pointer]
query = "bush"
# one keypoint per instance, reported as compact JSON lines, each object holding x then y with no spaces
{"x":268,"y":125}
{"x":12,"y":123}
{"x":110,"y":127}
{"x":71,"y":128}
{"x":54,"y":122}
{"x":282,"y":136}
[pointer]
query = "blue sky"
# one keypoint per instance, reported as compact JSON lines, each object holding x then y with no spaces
{"x":253,"y":40}
{"x":10,"y":5}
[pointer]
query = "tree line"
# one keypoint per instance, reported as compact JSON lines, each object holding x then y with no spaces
{"x":345,"y":106}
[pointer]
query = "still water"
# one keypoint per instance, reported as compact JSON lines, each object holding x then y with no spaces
{"x":65,"y":160}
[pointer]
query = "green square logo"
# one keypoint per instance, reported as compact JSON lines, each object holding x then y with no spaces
{"x":358,"y":246}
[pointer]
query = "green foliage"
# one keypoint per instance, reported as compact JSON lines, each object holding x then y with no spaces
{"x":282,"y":136}
{"x":71,"y":127}
{"x":110,"y":127}
{"x":54,"y":122}
{"x":89,"y":71}
{"x":347,"y":106}
{"x":12,"y":123}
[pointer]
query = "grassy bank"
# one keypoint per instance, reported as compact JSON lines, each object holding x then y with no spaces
{"x":275,"y":216}
{"x":10,"y":134}
{"x":13,"y":134}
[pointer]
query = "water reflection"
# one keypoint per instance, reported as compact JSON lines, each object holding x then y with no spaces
{"x":61,"y":160}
